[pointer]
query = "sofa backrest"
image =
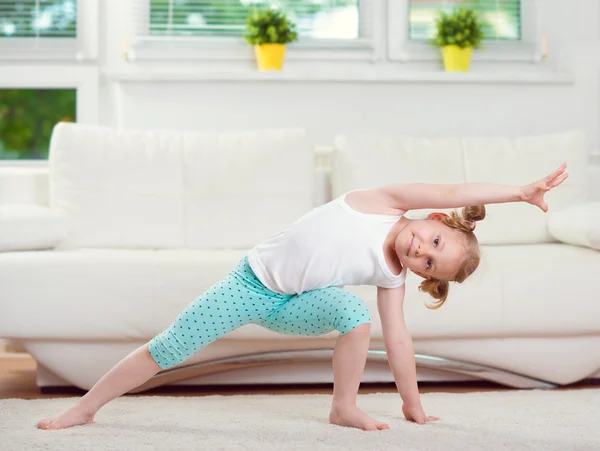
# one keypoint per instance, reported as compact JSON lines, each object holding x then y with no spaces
{"x":178,"y":189}
{"x":133,"y":206}
{"x":365,"y":161}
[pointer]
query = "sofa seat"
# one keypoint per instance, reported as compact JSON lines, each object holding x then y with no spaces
{"x":120,"y":295}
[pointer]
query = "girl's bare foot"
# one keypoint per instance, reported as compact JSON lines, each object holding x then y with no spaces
{"x":130,"y":372}
{"x":353,"y":417}
{"x":74,"y":416}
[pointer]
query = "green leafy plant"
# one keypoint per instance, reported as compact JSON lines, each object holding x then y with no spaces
{"x":27,"y":118}
{"x":269,"y":26}
{"x":462,"y":27}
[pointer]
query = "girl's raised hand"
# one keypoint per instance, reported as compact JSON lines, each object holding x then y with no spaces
{"x":534,"y":192}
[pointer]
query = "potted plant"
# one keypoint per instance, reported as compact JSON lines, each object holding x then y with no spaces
{"x":458,"y":33}
{"x":269,"y":31}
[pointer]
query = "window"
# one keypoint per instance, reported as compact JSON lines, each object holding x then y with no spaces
{"x":502,"y":17}
{"x":38,"y":29}
{"x":510,"y":27}
{"x":38,"y":18}
{"x":324,"y":19}
{"x":48,"y":29}
{"x":42,"y":43}
{"x":27,"y":117}
{"x":213,"y":29}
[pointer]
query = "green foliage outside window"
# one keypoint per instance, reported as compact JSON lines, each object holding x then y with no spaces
{"x":27,"y":117}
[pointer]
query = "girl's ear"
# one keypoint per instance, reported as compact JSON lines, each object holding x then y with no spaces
{"x":422,"y":275}
{"x":437,"y":216}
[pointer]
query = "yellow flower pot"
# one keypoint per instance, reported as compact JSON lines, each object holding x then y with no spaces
{"x":456,"y":59}
{"x":269,"y":56}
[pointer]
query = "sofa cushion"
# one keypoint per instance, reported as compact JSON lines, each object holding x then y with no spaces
{"x":140,"y":189}
{"x":242,"y":188}
{"x":30,"y":227}
{"x":537,"y":290}
{"x":518,"y":162}
{"x":103,"y":293}
{"x":115,"y":294}
{"x":367,"y":161}
{"x":578,"y":225}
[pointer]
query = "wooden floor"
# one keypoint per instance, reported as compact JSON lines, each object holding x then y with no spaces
{"x":17,"y":380}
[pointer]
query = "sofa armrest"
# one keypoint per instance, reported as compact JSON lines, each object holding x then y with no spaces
{"x":30,"y":227}
{"x":578,"y":225}
{"x":24,"y":186}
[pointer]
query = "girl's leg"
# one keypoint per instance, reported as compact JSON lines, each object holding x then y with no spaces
{"x":349,"y":358}
{"x":225,"y":307}
{"x":321,"y":311}
{"x":131,"y":372}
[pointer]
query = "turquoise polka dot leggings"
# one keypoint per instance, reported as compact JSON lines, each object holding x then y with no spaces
{"x":240,"y":299}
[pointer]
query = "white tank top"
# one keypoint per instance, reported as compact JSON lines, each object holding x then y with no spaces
{"x":332,"y":245}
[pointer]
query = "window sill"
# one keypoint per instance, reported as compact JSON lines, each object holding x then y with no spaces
{"x":495,"y":52}
{"x":366,"y":76}
{"x":26,"y":164}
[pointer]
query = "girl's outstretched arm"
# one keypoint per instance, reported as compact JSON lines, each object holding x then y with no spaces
{"x":400,"y":352}
{"x":416,"y":196}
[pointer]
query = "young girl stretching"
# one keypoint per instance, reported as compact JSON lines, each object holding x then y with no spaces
{"x":289,"y":284}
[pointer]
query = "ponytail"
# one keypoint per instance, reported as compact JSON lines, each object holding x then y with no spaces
{"x":466,"y":221}
{"x":438,"y":289}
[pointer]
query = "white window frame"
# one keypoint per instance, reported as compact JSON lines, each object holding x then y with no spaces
{"x":402,"y":49}
{"x":85,"y":79}
{"x":84,"y":47}
{"x":173,"y":48}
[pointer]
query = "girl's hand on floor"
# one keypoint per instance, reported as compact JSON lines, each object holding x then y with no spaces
{"x":534,"y":193}
{"x":416,"y":414}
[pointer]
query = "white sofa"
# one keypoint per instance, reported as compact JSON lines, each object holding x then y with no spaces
{"x":103,"y":248}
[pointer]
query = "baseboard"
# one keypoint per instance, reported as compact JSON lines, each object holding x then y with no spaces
{"x":11,"y":346}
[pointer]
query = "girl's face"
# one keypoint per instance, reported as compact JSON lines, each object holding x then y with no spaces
{"x":430,"y":248}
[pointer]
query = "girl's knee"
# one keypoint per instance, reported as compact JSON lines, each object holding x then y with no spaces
{"x":361,"y":329}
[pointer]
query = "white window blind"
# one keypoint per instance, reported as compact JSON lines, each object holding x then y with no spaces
{"x":314,"y":19}
{"x":502,"y":17}
{"x":38,"y":26}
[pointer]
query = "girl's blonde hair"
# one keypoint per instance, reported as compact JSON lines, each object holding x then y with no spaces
{"x":465,"y":223}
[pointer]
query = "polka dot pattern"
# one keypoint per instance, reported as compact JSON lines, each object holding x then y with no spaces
{"x":240,"y":299}
{"x":318,"y":312}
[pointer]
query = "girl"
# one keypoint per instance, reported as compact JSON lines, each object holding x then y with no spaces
{"x":289,"y":284}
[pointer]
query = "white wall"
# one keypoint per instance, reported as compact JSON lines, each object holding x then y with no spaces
{"x":326,"y":108}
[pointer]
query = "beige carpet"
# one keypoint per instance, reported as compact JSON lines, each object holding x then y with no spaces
{"x":511,"y":420}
